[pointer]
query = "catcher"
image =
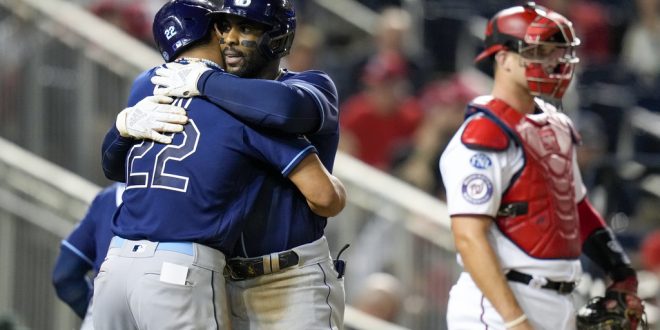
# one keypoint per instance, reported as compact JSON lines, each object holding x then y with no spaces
{"x":519,"y":212}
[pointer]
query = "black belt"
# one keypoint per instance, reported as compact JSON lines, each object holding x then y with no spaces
{"x":240,"y":269}
{"x":561,"y":287}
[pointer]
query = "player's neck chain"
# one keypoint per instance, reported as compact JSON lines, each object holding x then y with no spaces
{"x":280,"y":73}
{"x":195,"y":59}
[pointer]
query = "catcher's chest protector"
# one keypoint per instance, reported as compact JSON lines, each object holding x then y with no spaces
{"x":547,"y":226}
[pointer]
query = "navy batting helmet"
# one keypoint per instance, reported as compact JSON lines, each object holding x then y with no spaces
{"x":279,"y":15}
{"x":179,"y":23}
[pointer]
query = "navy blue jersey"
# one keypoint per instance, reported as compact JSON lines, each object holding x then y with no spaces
{"x":305,"y":102}
{"x":203,"y":186}
{"x":85,"y":250}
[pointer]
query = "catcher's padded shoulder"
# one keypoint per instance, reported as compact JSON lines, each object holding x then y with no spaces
{"x":484,"y":134}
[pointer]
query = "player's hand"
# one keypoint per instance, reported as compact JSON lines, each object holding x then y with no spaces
{"x":622,"y":297}
{"x":179,"y":80}
{"x":151,"y":117}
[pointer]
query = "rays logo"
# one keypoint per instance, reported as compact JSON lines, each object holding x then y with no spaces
{"x":477,"y":189}
{"x":242,"y":3}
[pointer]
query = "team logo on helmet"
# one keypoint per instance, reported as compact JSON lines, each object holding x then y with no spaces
{"x":278,"y":15}
{"x":242,"y":3}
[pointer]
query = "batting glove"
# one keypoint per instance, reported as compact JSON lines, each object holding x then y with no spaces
{"x":151,"y":117}
{"x":179,"y":80}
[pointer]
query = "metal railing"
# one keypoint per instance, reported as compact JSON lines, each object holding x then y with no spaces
{"x":39,"y":204}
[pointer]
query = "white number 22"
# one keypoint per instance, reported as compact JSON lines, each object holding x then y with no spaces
{"x":170,"y":32}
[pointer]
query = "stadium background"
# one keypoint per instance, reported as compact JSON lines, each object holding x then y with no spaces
{"x":66,"y":68}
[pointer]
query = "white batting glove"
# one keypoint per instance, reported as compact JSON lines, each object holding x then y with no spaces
{"x":179,"y":80}
{"x":151,"y":117}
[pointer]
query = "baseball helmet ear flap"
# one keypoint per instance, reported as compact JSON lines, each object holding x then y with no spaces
{"x":180,"y":23}
{"x":278,"y":15}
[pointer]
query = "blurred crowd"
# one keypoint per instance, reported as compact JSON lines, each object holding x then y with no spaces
{"x":401,"y":102}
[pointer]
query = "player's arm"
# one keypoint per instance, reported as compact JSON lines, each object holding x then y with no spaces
{"x":483,"y":149}
{"x":296,"y":159}
{"x":598,"y":241}
{"x":307,"y":104}
{"x":147,"y":117}
{"x":602,"y":247}
{"x":70,"y":282}
{"x":113,"y":155}
{"x":325,"y":194}
{"x":471,"y":239}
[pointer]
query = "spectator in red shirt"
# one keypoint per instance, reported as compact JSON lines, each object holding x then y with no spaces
{"x":650,"y":252}
{"x":129,"y":16}
{"x":383,"y":116}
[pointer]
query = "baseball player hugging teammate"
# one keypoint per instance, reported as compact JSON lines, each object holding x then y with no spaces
{"x":245,"y":176}
{"x":227,"y":159}
{"x":518,"y":207}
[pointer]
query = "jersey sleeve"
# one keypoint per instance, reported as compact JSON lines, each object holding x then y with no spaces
{"x":283,"y":152}
{"x":476,"y":179}
{"x":82,"y":240}
{"x":115,"y":147}
{"x":76,"y":258}
{"x":70,"y":282}
{"x":304,"y":104}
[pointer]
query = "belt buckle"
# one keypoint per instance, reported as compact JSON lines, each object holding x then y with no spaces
{"x":231,"y":274}
{"x":243,"y":270}
{"x":254,"y":267}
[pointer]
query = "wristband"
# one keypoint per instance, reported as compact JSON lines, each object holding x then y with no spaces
{"x":522,"y":318}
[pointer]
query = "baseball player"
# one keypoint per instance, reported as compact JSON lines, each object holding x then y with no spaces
{"x":519,"y":212}
{"x":281,"y":272}
{"x":186,"y":203}
{"x":84,"y":250}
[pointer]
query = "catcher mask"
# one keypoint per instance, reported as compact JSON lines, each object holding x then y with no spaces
{"x":545,"y":40}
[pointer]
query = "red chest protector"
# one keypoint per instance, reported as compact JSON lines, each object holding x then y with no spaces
{"x":538,"y":210}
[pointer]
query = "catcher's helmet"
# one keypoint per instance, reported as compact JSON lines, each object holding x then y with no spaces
{"x":278,"y":15}
{"x":180,"y":23}
{"x":527,"y":30}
